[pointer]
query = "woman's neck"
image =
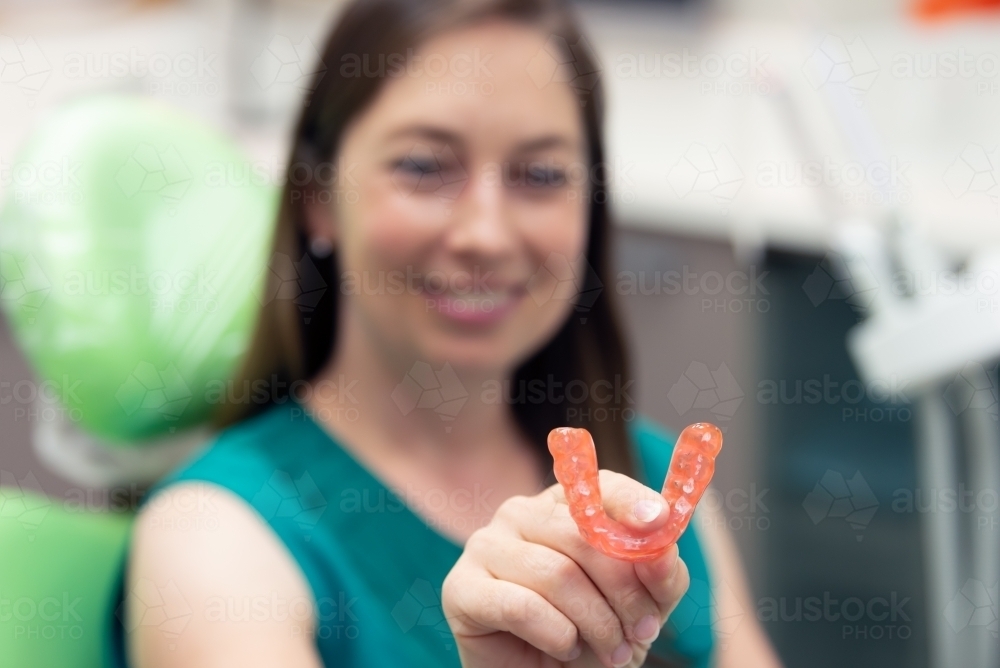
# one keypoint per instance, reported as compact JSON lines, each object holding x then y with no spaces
{"x":371,"y":401}
{"x":388,"y":401}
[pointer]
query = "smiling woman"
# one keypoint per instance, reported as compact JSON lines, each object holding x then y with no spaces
{"x":445,"y":229}
{"x":448,"y":118}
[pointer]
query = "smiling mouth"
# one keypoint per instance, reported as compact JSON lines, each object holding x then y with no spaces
{"x":476,"y":309}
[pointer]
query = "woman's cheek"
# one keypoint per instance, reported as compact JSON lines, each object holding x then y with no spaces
{"x":560,"y":230}
{"x":391,"y":234}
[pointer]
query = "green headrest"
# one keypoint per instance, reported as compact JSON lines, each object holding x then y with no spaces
{"x":133,"y":248}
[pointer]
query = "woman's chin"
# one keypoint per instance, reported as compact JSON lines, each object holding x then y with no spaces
{"x":488,"y":342}
{"x":479,"y":357}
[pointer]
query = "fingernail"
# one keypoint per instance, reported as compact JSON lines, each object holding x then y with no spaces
{"x":577,"y":651}
{"x":647,"y":629}
{"x":647,"y":511}
{"x":622,"y":655}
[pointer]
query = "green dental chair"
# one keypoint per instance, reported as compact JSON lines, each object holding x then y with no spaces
{"x":134,"y":245}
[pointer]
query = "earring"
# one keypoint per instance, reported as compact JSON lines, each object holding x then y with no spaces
{"x":320,"y":247}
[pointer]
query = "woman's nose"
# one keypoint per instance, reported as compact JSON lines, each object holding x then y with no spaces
{"x":481,"y":224}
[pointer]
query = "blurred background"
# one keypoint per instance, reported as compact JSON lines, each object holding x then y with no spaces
{"x":807,"y":194}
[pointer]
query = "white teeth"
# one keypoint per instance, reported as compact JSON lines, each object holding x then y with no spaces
{"x":496,"y":295}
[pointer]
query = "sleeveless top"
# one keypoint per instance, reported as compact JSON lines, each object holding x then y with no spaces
{"x":375,"y":568}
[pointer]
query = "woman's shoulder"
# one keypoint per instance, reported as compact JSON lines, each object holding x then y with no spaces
{"x":216,"y":491}
{"x":264,"y":467}
{"x":194,"y":548}
{"x":245,"y":455}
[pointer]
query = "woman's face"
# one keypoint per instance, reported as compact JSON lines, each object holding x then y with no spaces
{"x":460,"y":216}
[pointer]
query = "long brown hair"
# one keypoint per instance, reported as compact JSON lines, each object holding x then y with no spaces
{"x":296,"y":337}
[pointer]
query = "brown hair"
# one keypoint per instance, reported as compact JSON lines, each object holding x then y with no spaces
{"x":295,"y":338}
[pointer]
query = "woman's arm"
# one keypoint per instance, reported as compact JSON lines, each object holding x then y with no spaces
{"x":209,"y":584}
{"x":748,"y":646}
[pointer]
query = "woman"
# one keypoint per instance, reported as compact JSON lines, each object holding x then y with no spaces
{"x":444,"y":190}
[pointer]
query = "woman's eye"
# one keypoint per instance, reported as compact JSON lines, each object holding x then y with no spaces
{"x":536,"y":176}
{"x":417,"y":166}
{"x":551,"y":178}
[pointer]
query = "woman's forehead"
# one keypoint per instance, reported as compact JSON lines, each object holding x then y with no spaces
{"x":446,"y":94}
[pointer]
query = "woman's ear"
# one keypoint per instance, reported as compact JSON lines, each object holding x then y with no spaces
{"x":321,"y":223}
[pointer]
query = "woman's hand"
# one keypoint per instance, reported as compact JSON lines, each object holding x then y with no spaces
{"x":528,"y":591}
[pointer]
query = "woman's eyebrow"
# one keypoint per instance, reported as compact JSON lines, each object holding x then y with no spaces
{"x":443,"y":136}
{"x":545,"y":142}
{"x":427,"y":132}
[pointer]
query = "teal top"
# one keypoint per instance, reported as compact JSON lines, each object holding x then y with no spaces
{"x":375,"y":567}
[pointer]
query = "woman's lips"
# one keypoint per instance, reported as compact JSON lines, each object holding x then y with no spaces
{"x":475,"y":309}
